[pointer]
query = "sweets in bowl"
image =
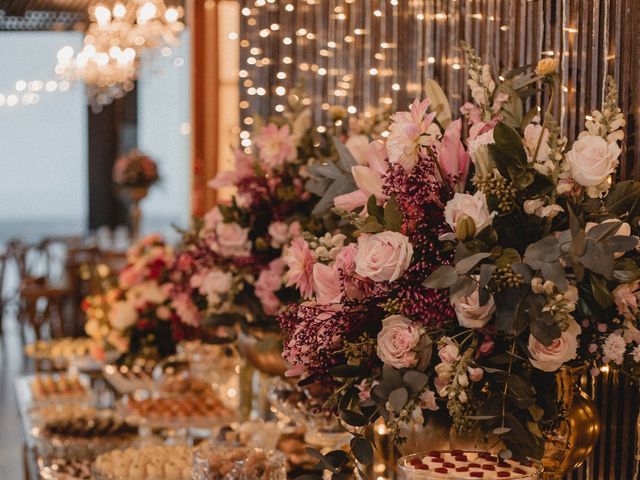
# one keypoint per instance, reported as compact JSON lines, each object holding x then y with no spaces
{"x":156,"y":462}
{"x":226,"y":462}
{"x":464,"y":465}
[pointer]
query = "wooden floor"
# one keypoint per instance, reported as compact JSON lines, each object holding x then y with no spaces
{"x":12,"y":363}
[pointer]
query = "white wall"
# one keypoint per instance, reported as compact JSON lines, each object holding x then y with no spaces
{"x":164,"y":109}
{"x":43,"y":147}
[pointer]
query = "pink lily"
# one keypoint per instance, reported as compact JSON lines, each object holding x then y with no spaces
{"x":453,"y":158}
{"x":369,"y":179}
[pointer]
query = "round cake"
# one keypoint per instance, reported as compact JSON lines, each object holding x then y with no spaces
{"x":464,"y":465}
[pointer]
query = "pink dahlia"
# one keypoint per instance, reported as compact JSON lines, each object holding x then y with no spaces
{"x":406,"y":132}
{"x":300,"y":260}
{"x":275,"y":145}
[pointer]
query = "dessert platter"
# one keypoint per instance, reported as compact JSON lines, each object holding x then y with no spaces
{"x":154,"y":462}
{"x":464,"y":465}
{"x":59,"y":389}
{"x":188,"y":410}
{"x":126,"y":379}
{"x":83,"y":437}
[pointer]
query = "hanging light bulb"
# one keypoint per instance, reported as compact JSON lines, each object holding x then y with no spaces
{"x":103,"y":15}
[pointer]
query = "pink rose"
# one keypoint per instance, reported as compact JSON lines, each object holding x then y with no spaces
{"x":279,"y":233}
{"x":470,"y":313}
{"x":122,"y":315}
{"x":562,"y":349}
{"x":232,"y":240}
{"x":383,"y":257}
{"x":326,"y":284}
{"x":346,"y":259}
{"x":163,"y":312}
{"x":300,"y":260}
{"x":401,"y":343}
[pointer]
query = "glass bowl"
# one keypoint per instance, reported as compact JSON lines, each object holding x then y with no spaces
{"x":228,"y":462}
{"x":413,"y":467}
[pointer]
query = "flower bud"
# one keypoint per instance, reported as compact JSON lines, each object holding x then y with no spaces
{"x":547,"y":66}
{"x":465,"y":228}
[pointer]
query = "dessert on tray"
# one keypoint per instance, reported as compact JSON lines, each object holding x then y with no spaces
{"x":84,"y":437}
{"x":157,"y":462}
{"x":464,"y":465}
{"x":58,"y":387}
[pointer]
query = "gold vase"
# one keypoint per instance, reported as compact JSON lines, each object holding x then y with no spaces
{"x":133,"y":196}
{"x":262,"y":349}
{"x":578,"y":430}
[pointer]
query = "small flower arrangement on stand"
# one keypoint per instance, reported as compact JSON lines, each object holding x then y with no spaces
{"x":133,"y":175}
{"x":481,"y":271}
{"x":137,"y":317}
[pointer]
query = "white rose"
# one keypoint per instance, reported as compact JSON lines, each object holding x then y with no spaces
{"x":383,"y":257}
{"x":470,"y":313}
{"x":358,"y":145}
{"x":401,"y":343}
{"x":472,"y":206}
{"x":592,"y":160}
{"x":562,"y":349}
{"x":122,"y":315}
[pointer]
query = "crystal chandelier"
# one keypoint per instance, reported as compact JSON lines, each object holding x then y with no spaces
{"x":114,"y":42}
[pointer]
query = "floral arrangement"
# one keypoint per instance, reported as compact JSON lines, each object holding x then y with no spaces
{"x":137,"y":317}
{"x":471,"y":268}
{"x":135,"y":169}
{"x":231,"y":266}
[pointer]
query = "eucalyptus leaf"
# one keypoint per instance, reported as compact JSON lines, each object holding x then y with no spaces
{"x":464,"y":287}
{"x":603,"y":231}
{"x":362,"y":450}
{"x":465,"y":265}
{"x":346,"y":158}
{"x":443,"y":277}
{"x":415,"y":380}
{"x":352,"y":418}
{"x":544,"y":250}
{"x":622,"y":196}
{"x":398,"y":399}
{"x":555,"y":272}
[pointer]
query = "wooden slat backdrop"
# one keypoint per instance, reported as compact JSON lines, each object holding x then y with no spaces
{"x":336,"y":43}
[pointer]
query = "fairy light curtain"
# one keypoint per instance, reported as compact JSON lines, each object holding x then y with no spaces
{"x":360,"y":54}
